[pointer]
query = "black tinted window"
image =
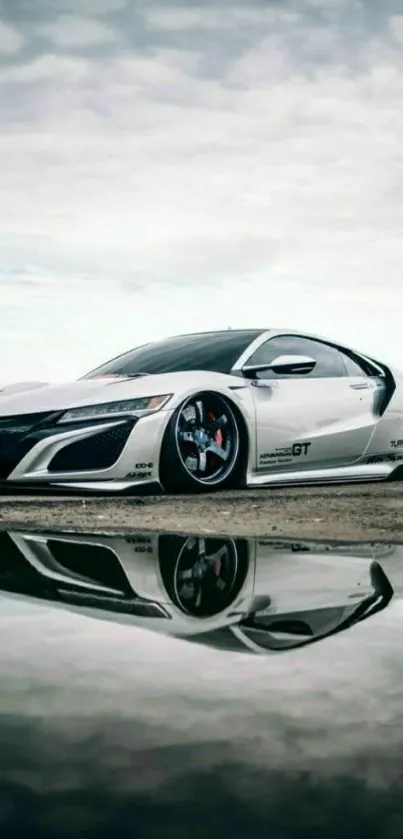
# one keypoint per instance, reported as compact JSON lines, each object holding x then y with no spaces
{"x":329,"y":362}
{"x":213,"y":351}
{"x":353,"y":368}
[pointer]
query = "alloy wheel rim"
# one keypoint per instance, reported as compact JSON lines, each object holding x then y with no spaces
{"x":207,"y":438}
{"x":205,"y":576}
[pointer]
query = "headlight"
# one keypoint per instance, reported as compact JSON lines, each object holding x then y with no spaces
{"x":145,"y":405}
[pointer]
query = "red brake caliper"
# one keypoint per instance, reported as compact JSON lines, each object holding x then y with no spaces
{"x":218,"y":436}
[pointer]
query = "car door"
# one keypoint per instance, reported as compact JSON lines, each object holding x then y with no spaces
{"x":320,"y":419}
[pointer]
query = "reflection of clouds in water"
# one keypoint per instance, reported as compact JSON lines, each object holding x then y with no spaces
{"x":199,"y":791}
{"x":110,"y":730}
{"x":330,"y":703}
{"x":10,"y":607}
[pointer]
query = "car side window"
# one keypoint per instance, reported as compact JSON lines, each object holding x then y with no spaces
{"x":353,"y":367}
{"x":329,"y":361}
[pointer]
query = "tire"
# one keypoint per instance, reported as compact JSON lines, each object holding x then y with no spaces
{"x":202,"y":430}
{"x":203,"y":576}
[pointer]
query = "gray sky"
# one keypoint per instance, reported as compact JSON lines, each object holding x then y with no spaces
{"x":167,"y":167}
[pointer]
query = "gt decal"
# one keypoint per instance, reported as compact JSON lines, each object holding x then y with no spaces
{"x":286,"y":454}
{"x":300,"y":448}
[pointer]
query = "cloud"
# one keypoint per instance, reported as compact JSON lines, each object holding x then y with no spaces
{"x":257,"y":145}
{"x":396,"y":27}
{"x":49,"y":68}
{"x":10,"y":39}
{"x":18,"y":9}
{"x":91,"y":7}
{"x":177,"y":18}
{"x":71,"y":31}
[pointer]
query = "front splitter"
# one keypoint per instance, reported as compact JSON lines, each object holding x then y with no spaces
{"x":93,"y":488}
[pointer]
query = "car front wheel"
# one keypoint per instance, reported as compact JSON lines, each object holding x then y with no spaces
{"x":202,"y":445}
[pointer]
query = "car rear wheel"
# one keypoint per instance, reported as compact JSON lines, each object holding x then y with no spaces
{"x":202,"y":445}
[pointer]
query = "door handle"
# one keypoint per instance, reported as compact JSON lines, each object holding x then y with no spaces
{"x":360,"y":386}
{"x":262,"y":383}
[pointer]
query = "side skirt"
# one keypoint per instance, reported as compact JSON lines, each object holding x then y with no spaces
{"x":340,"y":474}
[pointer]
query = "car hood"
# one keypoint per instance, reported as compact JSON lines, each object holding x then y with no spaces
{"x":35,"y":397}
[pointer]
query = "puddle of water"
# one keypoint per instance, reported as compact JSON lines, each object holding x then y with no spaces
{"x":153,"y":681}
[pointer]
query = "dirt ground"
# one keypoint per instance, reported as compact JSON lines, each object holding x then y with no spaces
{"x":358,"y":512}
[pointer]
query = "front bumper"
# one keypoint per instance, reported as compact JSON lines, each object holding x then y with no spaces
{"x":113,"y":455}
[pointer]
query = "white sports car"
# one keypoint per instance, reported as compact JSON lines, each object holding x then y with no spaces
{"x":208,"y":411}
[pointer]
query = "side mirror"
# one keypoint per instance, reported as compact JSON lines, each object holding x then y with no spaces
{"x":289,"y":365}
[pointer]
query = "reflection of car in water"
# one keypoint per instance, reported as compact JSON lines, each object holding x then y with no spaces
{"x":244,"y":594}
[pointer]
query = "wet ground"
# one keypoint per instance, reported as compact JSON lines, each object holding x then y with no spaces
{"x":355,"y":512}
{"x":174,"y":686}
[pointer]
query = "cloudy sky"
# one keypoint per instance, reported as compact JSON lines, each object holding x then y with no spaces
{"x":169,"y":166}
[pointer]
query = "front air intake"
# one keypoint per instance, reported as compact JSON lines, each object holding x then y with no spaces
{"x":100,"y":451}
{"x":17,"y":438}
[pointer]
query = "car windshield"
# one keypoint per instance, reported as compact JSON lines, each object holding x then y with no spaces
{"x":211,"y":351}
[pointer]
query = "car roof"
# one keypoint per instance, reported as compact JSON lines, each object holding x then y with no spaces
{"x":254,"y":333}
